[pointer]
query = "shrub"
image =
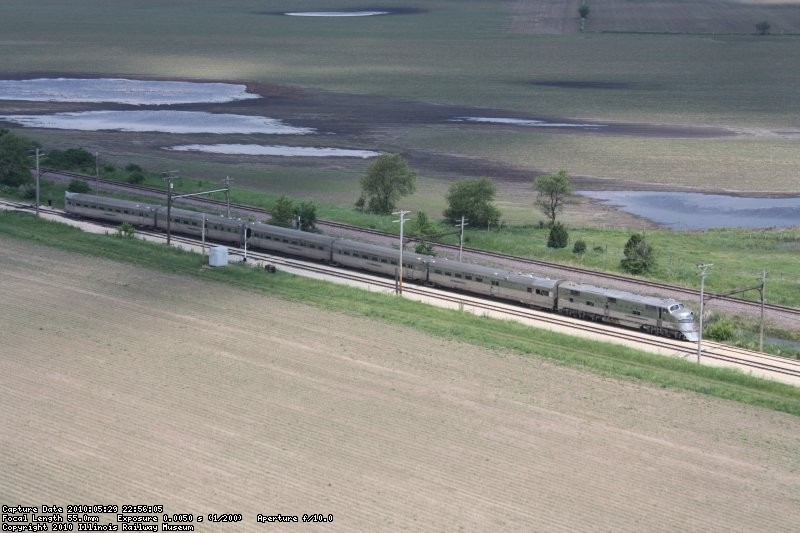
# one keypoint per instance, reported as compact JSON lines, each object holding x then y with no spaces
{"x":558,"y":237}
{"x":425,"y":248}
{"x":580,"y":247}
{"x":135,"y":177}
{"x":71,"y":159}
{"x":132,"y":167}
{"x":80,"y":186}
{"x":721,"y":330}
{"x":639,"y":255}
{"x":125,"y":230}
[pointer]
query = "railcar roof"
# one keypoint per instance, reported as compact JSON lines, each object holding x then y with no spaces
{"x":383,"y":250}
{"x":108,"y":201}
{"x":288,"y":232}
{"x":496,"y":273}
{"x":621,"y":295}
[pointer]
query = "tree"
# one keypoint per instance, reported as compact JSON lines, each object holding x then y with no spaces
{"x":639,"y":255}
{"x":423,"y":227}
{"x":763,"y":27}
{"x":307,"y":212}
{"x":583,"y":11}
{"x":285,"y":212}
{"x":78,"y":185}
{"x":473,"y":200}
{"x":387,"y":180}
{"x":282,"y":212}
{"x":558,"y":237}
{"x":553,"y":192}
{"x":71,"y":159}
{"x":15,"y":165}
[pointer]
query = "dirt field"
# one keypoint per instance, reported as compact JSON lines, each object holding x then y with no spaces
{"x":126,"y":386}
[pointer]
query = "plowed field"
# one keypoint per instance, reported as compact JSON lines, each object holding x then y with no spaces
{"x":128,"y":386}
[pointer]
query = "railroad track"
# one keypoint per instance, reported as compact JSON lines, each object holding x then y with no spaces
{"x":504,"y":260}
{"x":757,"y":363}
{"x":766,"y":365}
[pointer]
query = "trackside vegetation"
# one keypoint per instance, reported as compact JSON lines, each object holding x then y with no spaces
{"x":602,"y":358}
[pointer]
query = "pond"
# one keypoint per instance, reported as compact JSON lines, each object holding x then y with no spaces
{"x":697,"y":211}
{"x":158,"y":121}
{"x":526,"y":122}
{"x":273,"y":150}
{"x":121,"y":91}
{"x":336,"y":13}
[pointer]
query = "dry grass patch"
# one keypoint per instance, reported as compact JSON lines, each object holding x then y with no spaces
{"x":126,"y":385}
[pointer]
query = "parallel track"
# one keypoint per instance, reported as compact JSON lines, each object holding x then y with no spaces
{"x":745,"y":359}
{"x":493,"y":257}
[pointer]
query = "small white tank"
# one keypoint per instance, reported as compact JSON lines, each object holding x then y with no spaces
{"x":218,"y":256}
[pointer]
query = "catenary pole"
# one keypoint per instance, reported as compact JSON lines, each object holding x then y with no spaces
{"x":703,"y":269}
{"x":402,"y":221}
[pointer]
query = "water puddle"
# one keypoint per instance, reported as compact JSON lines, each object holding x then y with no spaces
{"x":158,"y":121}
{"x":697,"y":211}
{"x":336,"y":13}
{"x":121,"y":91}
{"x":273,"y":150}
{"x":526,"y":122}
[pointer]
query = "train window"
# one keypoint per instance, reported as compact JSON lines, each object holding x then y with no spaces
{"x":636,"y":312}
{"x":612,"y":300}
{"x":458,"y":276}
{"x":448,"y":274}
{"x":438,"y":271}
{"x":541,"y":292}
{"x":531,"y":290}
{"x":383,"y":260}
{"x":571,"y":300}
{"x":468,"y":277}
{"x":394,"y":262}
{"x":590,"y":303}
{"x":496,"y":283}
{"x":574,"y":292}
{"x":479,"y":280}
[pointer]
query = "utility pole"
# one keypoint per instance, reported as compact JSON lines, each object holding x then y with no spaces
{"x":461,"y":245}
{"x":169,"y":177}
{"x":38,"y":176}
{"x":228,"y":194}
{"x":400,"y":271}
{"x":762,"y":291}
{"x":703,"y":269}
{"x":97,"y":172}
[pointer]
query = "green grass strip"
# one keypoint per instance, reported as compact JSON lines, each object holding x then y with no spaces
{"x":598,"y":357}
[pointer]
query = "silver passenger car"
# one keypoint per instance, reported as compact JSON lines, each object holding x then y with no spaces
{"x":290,"y":241}
{"x":218,"y":228}
{"x":380,"y":259}
{"x":111,"y":209}
{"x":523,"y":288}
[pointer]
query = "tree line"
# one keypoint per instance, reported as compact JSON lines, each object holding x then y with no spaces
{"x":386,"y":181}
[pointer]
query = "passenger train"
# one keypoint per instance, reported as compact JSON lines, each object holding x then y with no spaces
{"x":659,"y":316}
